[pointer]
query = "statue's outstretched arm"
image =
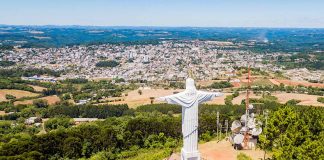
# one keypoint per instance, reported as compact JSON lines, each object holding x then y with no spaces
{"x":207,"y":96}
{"x":172,"y":99}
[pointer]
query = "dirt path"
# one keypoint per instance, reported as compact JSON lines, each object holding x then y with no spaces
{"x":225,"y":151}
{"x":222,"y":150}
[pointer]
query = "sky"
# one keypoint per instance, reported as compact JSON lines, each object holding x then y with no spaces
{"x":172,"y":13}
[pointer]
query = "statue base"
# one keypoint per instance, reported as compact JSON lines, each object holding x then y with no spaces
{"x":190,"y":155}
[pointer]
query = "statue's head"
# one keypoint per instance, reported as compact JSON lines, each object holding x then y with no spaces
{"x":190,"y":84}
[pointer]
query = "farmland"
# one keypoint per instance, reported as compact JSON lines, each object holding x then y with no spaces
{"x":16,"y":93}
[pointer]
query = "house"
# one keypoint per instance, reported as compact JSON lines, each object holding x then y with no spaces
{"x":83,"y":120}
{"x":83,"y":101}
{"x":32,"y":120}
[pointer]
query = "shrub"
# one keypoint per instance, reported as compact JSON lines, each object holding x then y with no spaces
{"x":243,"y":156}
{"x":40,"y":103}
{"x":292,"y":102}
{"x":320,"y":99}
{"x":10,"y":97}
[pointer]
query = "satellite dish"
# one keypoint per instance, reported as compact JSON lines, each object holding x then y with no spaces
{"x":243,"y":118}
{"x":256,"y":131}
{"x":238,"y":139}
{"x":236,"y":124}
{"x":244,"y":129}
{"x":250,"y":106}
{"x":251,"y":123}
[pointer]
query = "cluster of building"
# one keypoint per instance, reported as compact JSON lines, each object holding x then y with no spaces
{"x":40,"y":78}
{"x":303,"y":74}
{"x":37,"y":121}
{"x":168,"y":60}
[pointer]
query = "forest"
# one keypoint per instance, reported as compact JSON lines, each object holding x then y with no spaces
{"x":291,"y":131}
{"x":280,"y":39}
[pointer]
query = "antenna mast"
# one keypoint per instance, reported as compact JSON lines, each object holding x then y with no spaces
{"x":247,"y":103}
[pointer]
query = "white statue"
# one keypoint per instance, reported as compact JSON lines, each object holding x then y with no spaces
{"x":189,"y":100}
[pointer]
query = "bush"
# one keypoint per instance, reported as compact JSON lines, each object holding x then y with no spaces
{"x":320,"y":99}
{"x":292,"y":102}
{"x":10,"y":97}
{"x":243,"y":156}
{"x":40,"y":103}
{"x":206,"y":136}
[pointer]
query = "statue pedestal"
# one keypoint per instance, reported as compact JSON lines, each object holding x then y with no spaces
{"x":190,"y":155}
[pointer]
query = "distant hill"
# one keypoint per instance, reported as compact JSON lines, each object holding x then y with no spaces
{"x":265,"y":39}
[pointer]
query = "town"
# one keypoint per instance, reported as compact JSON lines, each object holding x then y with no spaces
{"x":168,"y":60}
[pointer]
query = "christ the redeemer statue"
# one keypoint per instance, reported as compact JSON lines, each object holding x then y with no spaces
{"x":189,"y":100}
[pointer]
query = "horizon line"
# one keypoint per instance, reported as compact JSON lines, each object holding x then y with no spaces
{"x":157,"y":26}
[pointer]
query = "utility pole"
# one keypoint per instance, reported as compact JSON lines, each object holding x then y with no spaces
{"x":217,"y":124}
{"x":220,"y":131}
{"x":226,"y":126}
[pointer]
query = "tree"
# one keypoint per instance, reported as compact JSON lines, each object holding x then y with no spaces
{"x":72,"y":147}
{"x":40,"y":103}
{"x":294,"y":133}
{"x":228,"y":100}
{"x":152,"y":100}
{"x":55,"y":123}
